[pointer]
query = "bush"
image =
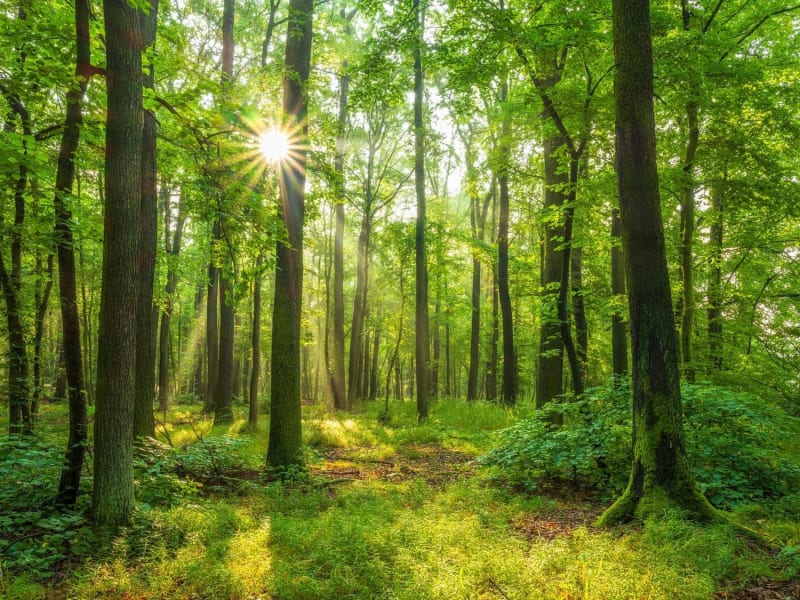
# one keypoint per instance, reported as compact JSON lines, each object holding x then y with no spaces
{"x":737,"y":444}
{"x":34,"y":535}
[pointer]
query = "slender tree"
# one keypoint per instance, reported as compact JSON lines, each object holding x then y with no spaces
{"x":70,"y":321}
{"x":146,"y":317}
{"x":285,"y":441}
{"x":113,"y":424}
{"x":422,"y":327}
{"x":660,"y":474}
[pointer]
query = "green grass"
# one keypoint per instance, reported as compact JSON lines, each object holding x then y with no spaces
{"x":414,"y":536}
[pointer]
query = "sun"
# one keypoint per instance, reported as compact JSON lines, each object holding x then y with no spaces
{"x":273,"y":145}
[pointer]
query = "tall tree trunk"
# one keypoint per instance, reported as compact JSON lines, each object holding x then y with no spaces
{"x":491,"y":363}
{"x":619,"y":333}
{"x":19,"y":421}
{"x":509,"y":395}
{"x":255,"y":342}
{"x":687,"y":241}
{"x":373,"y":378}
{"x":715,"y":282}
{"x":550,"y":366}
{"x":340,"y":401}
{"x":173,"y":249}
{"x":422,"y":328}
{"x":212,"y":332}
{"x":42,"y":301}
{"x":113,"y":421}
{"x":70,"y":321}
{"x":356,"y":364}
{"x":223,"y":407}
{"x":437,"y":346}
{"x":285,"y":439}
{"x":660,"y":473}
{"x":579,"y":309}
{"x":146,"y":317}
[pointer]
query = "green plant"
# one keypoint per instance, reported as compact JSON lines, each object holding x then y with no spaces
{"x":34,"y":535}
{"x":738,"y":445}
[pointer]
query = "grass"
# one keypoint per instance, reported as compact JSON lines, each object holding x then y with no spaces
{"x":401,"y":511}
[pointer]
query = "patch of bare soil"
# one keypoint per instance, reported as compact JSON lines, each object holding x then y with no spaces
{"x":560,"y":522}
{"x":764,"y":590}
{"x":436,"y":465}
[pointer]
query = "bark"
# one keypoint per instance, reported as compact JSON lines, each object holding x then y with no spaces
{"x":491,"y":363}
{"x":42,"y":302}
{"x":373,"y":378}
{"x":715,"y":319}
{"x":422,"y":327}
{"x":173,"y":250}
{"x":255,"y":342}
{"x":356,"y":363}
{"x":11,"y":282}
{"x":437,"y":346}
{"x":285,"y":441}
{"x":212,"y":333}
{"x":338,"y":377}
{"x":550,"y":366}
{"x":619,"y":333}
{"x":509,"y":394}
{"x":660,"y":473}
{"x":146,"y":318}
{"x":65,"y":249}
{"x":579,"y":309}
{"x":687,"y":242}
{"x":113,"y":424}
{"x":223,"y":408}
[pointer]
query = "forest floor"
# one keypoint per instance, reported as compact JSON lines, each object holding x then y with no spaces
{"x":389,"y":511}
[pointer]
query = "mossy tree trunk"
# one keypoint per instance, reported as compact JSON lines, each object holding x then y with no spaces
{"x":660,"y":473}
{"x":285,"y":440}
{"x":116,"y":345}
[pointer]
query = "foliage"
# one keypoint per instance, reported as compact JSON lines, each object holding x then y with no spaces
{"x":738,"y":445}
{"x":34,"y":534}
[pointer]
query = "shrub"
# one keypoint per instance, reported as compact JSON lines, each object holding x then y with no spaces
{"x":34,"y":535}
{"x":737,"y":444}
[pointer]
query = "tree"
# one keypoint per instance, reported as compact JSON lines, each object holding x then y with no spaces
{"x":660,"y":475}
{"x":284,"y":449}
{"x":113,"y":426}
{"x":70,"y":321}
{"x":146,"y":315}
{"x":422,"y":327}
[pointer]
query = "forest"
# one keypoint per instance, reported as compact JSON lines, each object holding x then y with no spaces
{"x":400,"y":299}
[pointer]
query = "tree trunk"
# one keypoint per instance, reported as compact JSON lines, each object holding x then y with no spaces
{"x":143,"y":421}
{"x":41,"y":301}
{"x":715,"y":283}
{"x":619,"y":333}
{"x":338,"y":379}
{"x":660,"y":474}
{"x":491,"y":363}
{"x":422,"y":329}
{"x":687,"y":242}
{"x":509,"y":395}
{"x":356,"y":365}
{"x":284,"y":425}
{"x":550,"y":366}
{"x":212,"y":333}
{"x":579,"y":309}
{"x":373,"y":378}
{"x":255,"y":342}
{"x":173,"y":250}
{"x":113,"y":421}
{"x":437,"y":346}
{"x":19,"y":421}
{"x":70,"y":321}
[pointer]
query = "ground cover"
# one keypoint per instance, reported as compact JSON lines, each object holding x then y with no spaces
{"x":387,"y":510}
